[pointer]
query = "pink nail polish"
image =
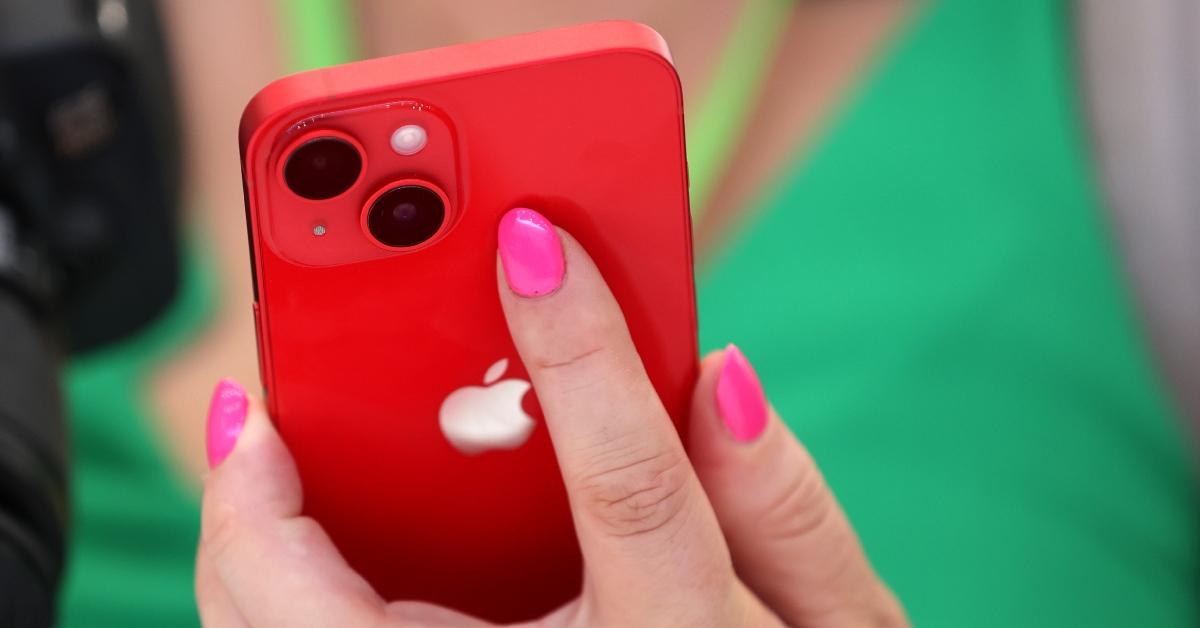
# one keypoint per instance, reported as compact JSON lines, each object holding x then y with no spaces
{"x":740,"y":399}
{"x":226,"y":416}
{"x":530,"y":253}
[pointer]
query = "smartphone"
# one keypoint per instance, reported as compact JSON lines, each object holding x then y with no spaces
{"x":373,"y":195}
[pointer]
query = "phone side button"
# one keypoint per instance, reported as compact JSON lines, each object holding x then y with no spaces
{"x":262,"y":349}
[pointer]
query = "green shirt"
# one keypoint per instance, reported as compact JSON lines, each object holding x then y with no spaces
{"x":935,"y":306}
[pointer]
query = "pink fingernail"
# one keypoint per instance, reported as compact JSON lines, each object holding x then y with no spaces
{"x":740,"y":399}
{"x":530,"y":253}
{"x":226,"y":416}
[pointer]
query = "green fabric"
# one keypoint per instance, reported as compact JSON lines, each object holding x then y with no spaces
{"x":316,"y":33}
{"x":135,"y":518}
{"x":935,"y":307}
{"x":714,"y":131}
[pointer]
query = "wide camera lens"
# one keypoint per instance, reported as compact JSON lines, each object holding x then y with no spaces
{"x":322,"y":168}
{"x":406,"y":215}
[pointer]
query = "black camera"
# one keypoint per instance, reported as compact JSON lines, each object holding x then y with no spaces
{"x":406,"y":215}
{"x":88,"y":244}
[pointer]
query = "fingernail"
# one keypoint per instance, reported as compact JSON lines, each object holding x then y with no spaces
{"x":530,"y":253}
{"x":740,"y":399}
{"x":226,"y":416}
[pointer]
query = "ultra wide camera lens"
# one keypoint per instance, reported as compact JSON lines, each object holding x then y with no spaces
{"x":406,"y":215}
{"x":322,"y":168}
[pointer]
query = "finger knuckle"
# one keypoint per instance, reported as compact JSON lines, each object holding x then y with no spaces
{"x":567,"y":361}
{"x":574,"y":372}
{"x":221,"y":535}
{"x":636,"y":493}
{"x":583,"y":340}
{"x":800,"y":508}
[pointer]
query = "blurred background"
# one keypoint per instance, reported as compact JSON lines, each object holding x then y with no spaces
{"x":959,"y":239}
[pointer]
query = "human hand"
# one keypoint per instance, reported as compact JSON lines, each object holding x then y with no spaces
{"x":744,"y":533}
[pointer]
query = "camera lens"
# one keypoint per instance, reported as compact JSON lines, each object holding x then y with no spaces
{"x":406,"y":215}
{"x":322,"y":168}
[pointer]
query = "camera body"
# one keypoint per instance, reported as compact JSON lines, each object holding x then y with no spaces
{"x":87,"y":182}
{"x":326,"y":164}
{"x":88,"y":245}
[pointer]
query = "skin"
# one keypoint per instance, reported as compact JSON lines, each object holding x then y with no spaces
{"x":739,"y":534}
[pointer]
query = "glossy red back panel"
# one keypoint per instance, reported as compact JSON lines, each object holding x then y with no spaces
{"x":359,"y":345}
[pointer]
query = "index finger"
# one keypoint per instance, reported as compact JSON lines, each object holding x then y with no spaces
{"x":642,"y":519}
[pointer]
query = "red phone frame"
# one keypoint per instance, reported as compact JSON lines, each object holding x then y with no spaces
{"x":584,"y":124}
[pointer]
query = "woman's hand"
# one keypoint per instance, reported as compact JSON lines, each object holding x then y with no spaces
{"x":745,"y":533}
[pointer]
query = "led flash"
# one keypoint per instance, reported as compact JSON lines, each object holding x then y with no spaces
{"x":409,"y":139}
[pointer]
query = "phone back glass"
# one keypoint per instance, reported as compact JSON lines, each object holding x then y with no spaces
{"x":360,"y":345}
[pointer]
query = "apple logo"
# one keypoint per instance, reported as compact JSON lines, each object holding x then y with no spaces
{"x":478,"y":418}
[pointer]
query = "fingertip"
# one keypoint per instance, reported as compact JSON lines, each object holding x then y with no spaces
{"x":232,"y":412}
{"x":711,"y":362}
{"x":741,"y":402}
{"x":729,"y":407}
{"x":256,"y":473}
{"x":226,"y":417}
{"x":531,"y":253}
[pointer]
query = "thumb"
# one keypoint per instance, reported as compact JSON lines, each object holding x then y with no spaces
{"x":257,"y":552}
{"x":791,"y":543}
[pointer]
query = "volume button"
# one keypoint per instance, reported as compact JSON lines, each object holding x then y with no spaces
{"x":258,"y":323}
{"x":262,"y":347}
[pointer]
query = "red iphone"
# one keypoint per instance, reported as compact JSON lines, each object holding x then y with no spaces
{"x":373,"y":192}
